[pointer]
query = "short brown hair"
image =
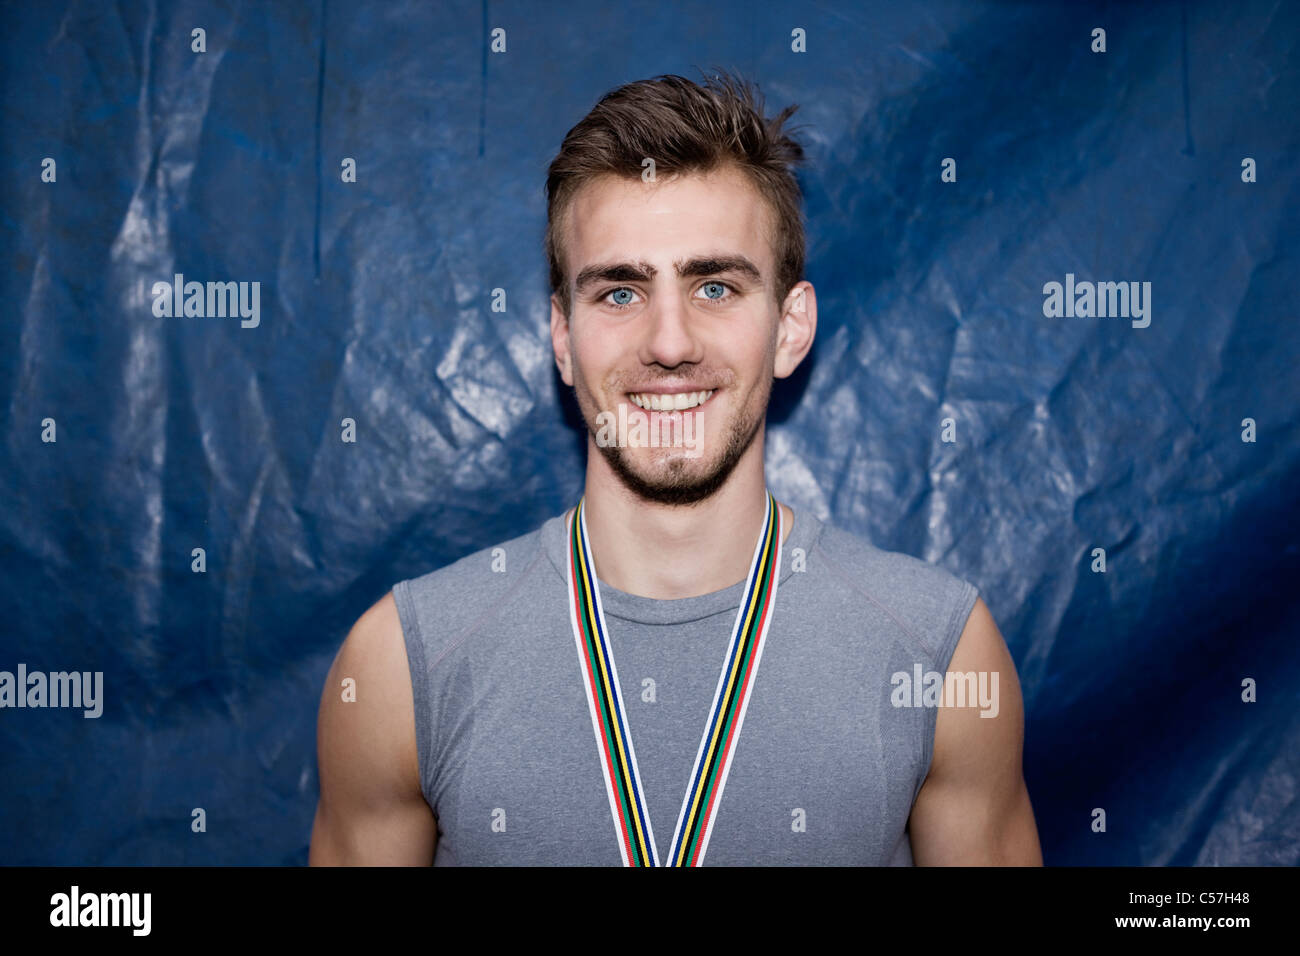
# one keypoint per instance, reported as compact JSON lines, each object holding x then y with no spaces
{"x":683,"y":127}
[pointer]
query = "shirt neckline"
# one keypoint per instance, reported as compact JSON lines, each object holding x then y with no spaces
{"x":646,"y":610}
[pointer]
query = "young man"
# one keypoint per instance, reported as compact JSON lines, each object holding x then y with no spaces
{"x":678,"y":670}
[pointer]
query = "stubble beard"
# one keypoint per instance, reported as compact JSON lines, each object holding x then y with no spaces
{"x":678,"y":486}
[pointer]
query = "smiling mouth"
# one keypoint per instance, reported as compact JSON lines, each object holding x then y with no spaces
{"x":670,"y":402}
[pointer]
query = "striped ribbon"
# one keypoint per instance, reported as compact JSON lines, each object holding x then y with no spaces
{"x":623,"y":786}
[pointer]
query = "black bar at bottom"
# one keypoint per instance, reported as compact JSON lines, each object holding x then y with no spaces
{"x":302,"y":905}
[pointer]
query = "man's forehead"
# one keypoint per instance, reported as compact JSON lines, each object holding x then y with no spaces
{"x":675,"y":217}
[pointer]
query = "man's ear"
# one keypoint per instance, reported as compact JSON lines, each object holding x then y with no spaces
{"x":560,"y":341}
{"x":795,"y":328}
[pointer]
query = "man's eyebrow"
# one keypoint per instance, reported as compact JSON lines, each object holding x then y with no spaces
{"x":713,"y":265}
{"x":696,"y":267}
{"x":614,"y":272}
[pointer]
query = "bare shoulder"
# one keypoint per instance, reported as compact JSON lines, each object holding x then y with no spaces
{"x":987,"y":732}
{"x":981,"y":643}
{"x":973,"y":808}
{"x":372,"y":809}
{"x":374,"y":652}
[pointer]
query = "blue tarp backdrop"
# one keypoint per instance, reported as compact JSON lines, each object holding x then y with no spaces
{"x":1072,"y":432}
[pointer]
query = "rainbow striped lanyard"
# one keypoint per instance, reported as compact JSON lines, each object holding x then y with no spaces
{"x":623,"y":784}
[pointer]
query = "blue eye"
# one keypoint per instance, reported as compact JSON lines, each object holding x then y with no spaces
{"x":619,"y":293}
{"x":718,"y":287}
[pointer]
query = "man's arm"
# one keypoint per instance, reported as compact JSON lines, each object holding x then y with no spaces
{"x":372,"y":811}
{"x":973,"y":809}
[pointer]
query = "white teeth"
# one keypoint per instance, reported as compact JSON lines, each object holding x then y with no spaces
{"x":669,"y":403}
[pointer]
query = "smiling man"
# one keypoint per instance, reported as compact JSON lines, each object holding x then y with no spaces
{"x":679,"y":670}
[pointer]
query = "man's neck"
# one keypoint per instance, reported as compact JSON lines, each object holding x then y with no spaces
{"x":676,"y":551}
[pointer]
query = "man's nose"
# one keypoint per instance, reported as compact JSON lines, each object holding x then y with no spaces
{"x":670,"y":337}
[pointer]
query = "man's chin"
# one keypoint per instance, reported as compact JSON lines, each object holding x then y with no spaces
{"x":675,"y":480}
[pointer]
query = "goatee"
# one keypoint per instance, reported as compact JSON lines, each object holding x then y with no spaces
{"x":679,"y":487}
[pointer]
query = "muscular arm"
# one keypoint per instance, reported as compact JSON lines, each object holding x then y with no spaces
{"x":973,"y":809}
{"x":372,"y":811}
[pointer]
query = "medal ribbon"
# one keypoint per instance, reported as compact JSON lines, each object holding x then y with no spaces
{"x":627,"y":803}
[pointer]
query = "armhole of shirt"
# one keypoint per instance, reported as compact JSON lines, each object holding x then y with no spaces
{"x":420,"y":683}
{"x":961,"y":608}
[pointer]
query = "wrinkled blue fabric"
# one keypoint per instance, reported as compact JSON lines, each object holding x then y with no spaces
{"x":1072,"y":433}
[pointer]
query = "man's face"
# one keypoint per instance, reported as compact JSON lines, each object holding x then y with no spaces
{"x":671,"y":291}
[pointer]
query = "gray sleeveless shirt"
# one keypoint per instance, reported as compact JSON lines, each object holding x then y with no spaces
{"x":825,"y":770}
